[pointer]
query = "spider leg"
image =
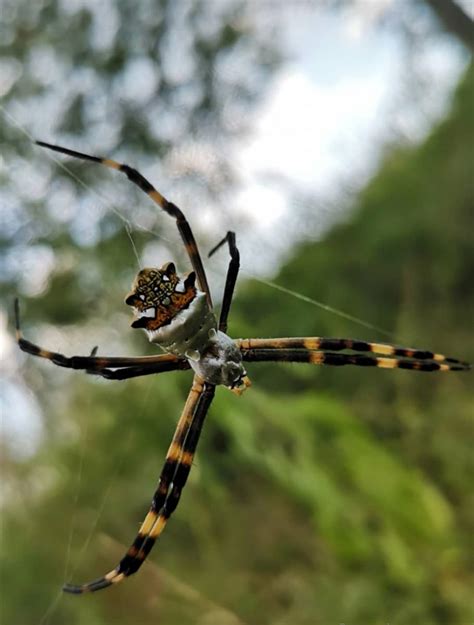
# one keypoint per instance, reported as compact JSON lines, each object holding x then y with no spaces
{"x":171,"y":482}
{"x":126,"y":373}
{"x":361,"y":360}
{"x":231,"y":278}
{"x":91,"y":363}
{"x":311,"y":344}
{"x":136,"y":177}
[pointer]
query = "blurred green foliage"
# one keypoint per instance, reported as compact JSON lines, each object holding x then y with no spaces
{"x":166,"y":85}
{"x":321,"y":496}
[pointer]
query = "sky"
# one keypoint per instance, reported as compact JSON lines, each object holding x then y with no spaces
{"x":326,"y":116}
{"x":332,"y":108}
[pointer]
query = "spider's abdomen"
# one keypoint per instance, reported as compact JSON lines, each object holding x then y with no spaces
{"x":172,"y":311}
{"x":189,"y":332}
{"x":176,"y":316}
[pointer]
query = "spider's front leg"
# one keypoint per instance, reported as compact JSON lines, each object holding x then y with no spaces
{"x":171,"y":209}
{"x":167,"y":363}
{"x":100,"y":365}
{"x":231,"y":277}
{"x":171,"y":483}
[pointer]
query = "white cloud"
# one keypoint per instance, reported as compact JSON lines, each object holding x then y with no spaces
{"x":307,"y":132}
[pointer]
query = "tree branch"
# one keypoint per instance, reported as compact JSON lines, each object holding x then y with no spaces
{"x":454,"y":20}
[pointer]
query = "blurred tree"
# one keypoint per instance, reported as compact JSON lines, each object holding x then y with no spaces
{"x":335,"y":496}
{"x":172,"y":81}
{"x":455,"y":20}
{"x":403,"y":259}
{"x":324,"y":496}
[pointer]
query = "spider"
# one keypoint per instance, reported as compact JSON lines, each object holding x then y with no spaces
{"x":177,"y":314}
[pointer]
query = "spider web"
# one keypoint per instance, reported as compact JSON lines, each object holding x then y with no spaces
{"x":130,"y":227}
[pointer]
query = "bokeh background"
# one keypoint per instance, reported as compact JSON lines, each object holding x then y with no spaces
{"x":336,"y":139}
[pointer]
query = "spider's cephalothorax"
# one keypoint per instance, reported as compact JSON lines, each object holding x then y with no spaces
{"x":176,"y":316}
{"x":179,"y":317}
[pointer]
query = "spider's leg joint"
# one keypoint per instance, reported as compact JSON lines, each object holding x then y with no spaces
{"x":16,"y":308}
{"x":229,"y":237}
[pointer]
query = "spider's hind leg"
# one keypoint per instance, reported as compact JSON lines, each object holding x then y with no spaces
{"x":172,"y":480}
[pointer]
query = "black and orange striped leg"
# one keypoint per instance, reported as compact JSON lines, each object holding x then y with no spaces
{"x":316,"y":344}
{"x":136,"y":177}
{"x":336,"y":359}
{"x":171,"y":482}
{"x":92,"y":363}
{"x":231,"y":278}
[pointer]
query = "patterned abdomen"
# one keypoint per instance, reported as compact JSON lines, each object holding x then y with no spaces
{"x":173,"y":312}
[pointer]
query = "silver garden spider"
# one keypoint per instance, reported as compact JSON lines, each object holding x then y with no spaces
{"x":179,"y":317}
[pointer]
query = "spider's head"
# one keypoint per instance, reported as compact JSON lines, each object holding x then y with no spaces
{"x":158,"y":295}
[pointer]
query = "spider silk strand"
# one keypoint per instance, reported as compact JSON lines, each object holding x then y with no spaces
{"x":314,"y":302}
{"x":130,"y":226}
